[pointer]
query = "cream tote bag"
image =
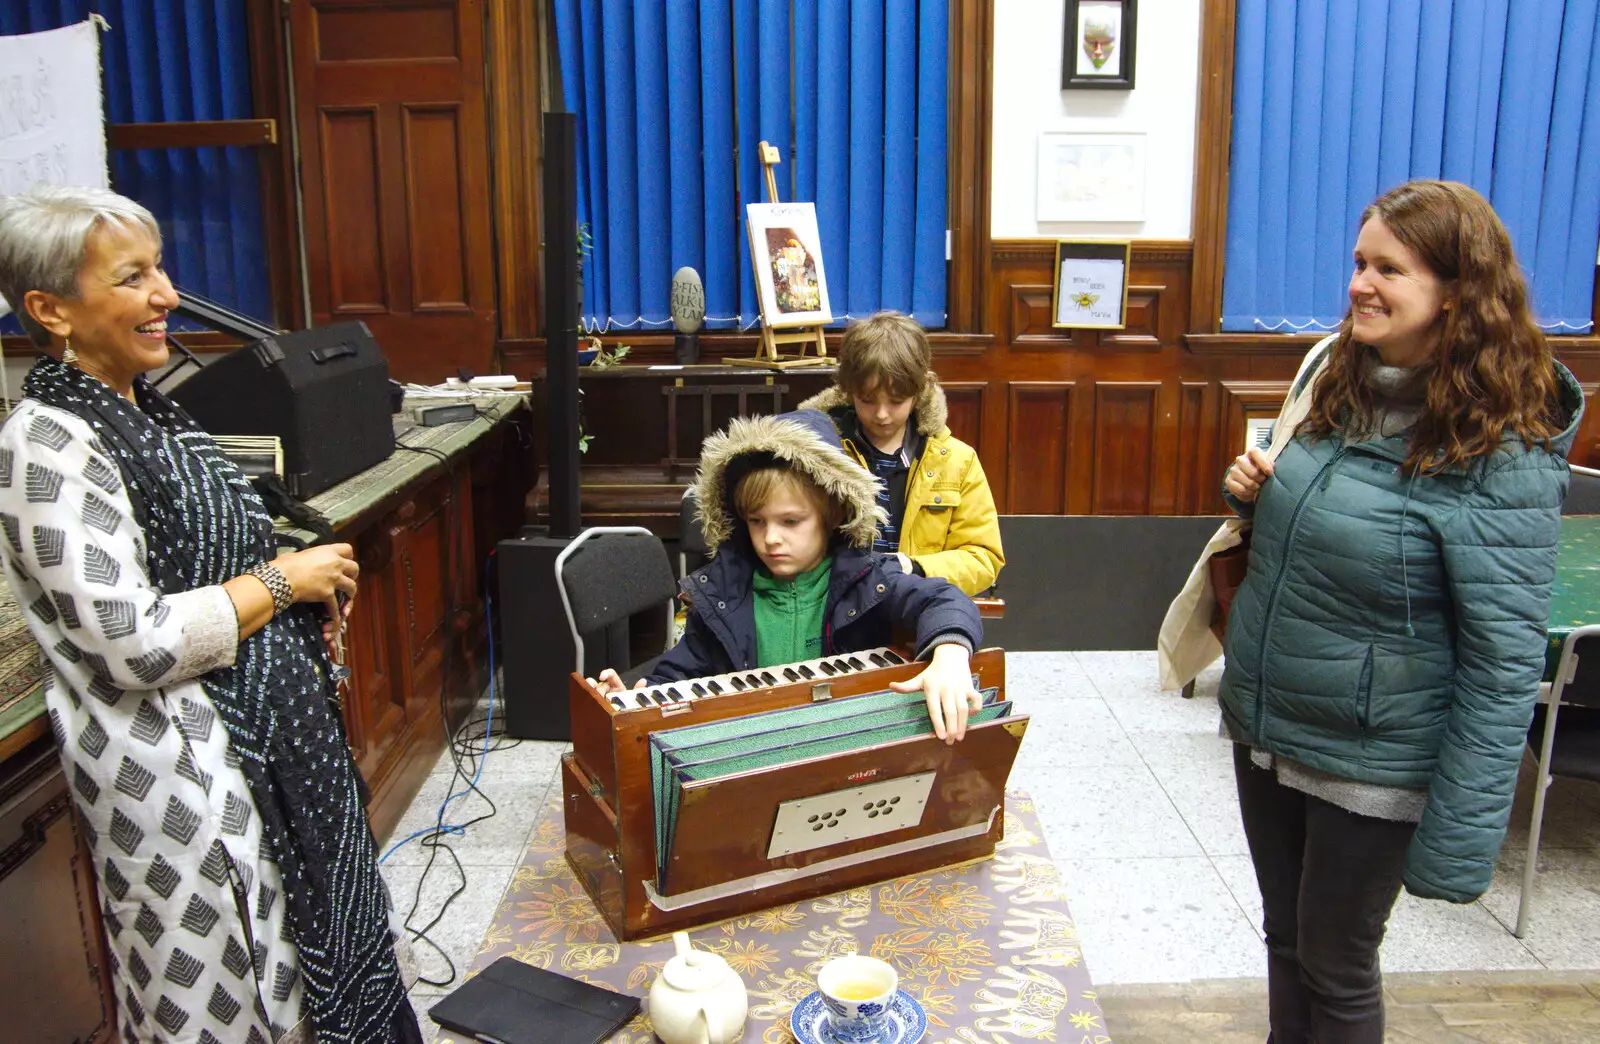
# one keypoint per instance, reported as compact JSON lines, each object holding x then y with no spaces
{"x":1186,"y":645}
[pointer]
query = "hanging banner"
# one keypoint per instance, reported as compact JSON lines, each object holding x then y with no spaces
{"x":52,"y":120}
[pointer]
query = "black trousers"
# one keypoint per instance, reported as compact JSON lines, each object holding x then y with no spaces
{"x":1329,"y":879}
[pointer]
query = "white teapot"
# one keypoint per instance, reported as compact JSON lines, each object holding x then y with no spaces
{"x":697,"y":998}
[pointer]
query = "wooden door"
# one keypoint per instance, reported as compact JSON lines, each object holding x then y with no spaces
{"x":390,"y":107}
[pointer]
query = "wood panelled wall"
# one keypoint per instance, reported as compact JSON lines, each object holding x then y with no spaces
{"x":1123,"y":422}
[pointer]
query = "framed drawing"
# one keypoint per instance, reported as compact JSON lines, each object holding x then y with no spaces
{"x":1099,"y":49}
{"x":1091,"y":177}
{"x":786,"y":250}
{"x":1091,"y":285}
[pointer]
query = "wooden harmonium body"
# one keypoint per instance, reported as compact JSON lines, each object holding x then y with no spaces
{"x":714,"y":797}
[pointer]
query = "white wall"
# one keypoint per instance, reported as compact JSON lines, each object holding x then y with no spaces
{"x":1028,"y":99}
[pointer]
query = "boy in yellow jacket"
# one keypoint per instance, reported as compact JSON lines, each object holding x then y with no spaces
{"x":890,"y":413}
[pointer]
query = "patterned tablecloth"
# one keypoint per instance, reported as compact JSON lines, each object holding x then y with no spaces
{"x":1575,"y":596}
{"x":989,"y":949}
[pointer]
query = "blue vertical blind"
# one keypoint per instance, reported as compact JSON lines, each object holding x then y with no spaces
{"x":1338,"y":101}
{"x":672,"y":98}
{"x":177,"y":60}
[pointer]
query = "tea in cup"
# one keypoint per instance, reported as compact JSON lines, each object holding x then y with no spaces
{"x":857,"y":991}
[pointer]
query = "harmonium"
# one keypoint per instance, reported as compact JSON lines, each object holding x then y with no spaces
{"x":710,"y":798}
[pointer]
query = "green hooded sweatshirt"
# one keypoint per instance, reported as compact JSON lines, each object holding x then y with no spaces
{"x":789,"y":614}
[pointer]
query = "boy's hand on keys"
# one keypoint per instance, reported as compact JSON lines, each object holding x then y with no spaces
{"x":947,"y":684}
{"x":610,"y":682}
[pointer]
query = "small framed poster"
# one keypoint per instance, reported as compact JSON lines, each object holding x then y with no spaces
{"x":786,"y":250}
{"x":1098,"y":52}
{"x":1091,"y":285}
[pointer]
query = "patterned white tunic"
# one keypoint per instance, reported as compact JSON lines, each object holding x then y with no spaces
{"x":200,"y":948}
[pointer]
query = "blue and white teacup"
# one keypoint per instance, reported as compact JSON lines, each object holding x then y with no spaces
{"x":857,"y":991}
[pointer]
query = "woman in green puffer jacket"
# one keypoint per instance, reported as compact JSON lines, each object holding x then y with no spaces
{"x":1385,"y":650}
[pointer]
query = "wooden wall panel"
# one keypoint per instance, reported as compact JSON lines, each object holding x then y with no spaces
{"x":1192,"y":459}
{"x":965,"y":399}
{"x":1039,"y":415}
{"x":356,"y":274}
{"x":345,"y":32}
{"x":1241,"y":400}
{"x":1124,"y":444}
{"x":433,"y":202}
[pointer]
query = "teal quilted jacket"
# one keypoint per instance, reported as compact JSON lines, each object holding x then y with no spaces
{"x":1391,"y":630}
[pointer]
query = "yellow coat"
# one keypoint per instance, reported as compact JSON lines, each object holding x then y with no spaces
{"x":951,"y":528}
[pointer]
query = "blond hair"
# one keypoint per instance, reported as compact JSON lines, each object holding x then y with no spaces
{"x":886,"y":352}
{"x":756,"y":489}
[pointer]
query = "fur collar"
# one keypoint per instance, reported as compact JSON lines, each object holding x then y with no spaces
{"x":931,"y":412}
{"x":806,"y":441}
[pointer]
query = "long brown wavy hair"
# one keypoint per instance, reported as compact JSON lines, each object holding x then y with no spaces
{"x":1492,"y":371}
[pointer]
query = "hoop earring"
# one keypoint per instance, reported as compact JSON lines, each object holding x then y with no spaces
{"x":69,"y":356}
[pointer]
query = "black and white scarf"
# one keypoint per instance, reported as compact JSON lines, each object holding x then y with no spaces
{"x":203,"y":525}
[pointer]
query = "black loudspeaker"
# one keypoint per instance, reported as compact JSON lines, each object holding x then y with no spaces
{"x":538,"y":653}
{"x":324,"y":392}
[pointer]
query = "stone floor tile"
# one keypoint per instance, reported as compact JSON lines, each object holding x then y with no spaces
{"x":1427,"y":935}
{"x":1158,"y":920}
{"x":1032,"y":676}
{"x":1080,"y":731}
{"x":1196,"y":771}
{"x":465,"y":921}
{"x":1564,"y":924}
{"x":494,"y":841}
{"x":1106,"y":811}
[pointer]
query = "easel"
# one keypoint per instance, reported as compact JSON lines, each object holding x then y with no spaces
{"x":768,"y":356}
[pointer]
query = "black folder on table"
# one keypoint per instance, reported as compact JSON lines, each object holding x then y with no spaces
{"x":514,"y":1003}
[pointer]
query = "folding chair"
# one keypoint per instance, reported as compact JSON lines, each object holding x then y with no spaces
{"x":691,"y":538}
{"x":605,"y":576}
{"x":1583,"y":495}
{"x":1573,"y":748}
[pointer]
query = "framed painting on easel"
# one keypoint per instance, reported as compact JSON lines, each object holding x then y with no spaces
{"x":787,"y":252}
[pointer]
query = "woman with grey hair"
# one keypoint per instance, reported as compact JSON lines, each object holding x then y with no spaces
{"x":189,"y":687}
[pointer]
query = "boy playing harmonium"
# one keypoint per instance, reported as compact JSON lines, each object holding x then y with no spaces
{"x":890,"y":413}
{"x":790,"y":518}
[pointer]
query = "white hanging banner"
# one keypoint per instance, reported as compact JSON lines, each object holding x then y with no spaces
{"x":52,"y":119}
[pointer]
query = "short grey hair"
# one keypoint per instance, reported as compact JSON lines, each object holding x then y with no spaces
{"x":44,"y":236}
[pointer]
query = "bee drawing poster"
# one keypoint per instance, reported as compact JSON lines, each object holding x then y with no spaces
{"x":1091,"y":290}
{"x":786,"y":251}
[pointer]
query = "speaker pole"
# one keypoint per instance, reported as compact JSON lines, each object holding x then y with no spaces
{"x":561,"y":317}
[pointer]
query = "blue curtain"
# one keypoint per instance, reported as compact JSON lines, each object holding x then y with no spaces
{"x":668,"y":94}
{"x":1337,"y":101}
{"x":171,"y":60}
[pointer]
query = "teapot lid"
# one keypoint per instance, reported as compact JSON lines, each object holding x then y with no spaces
{"x":694,"y":970}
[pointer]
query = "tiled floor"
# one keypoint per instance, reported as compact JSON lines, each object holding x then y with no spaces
{"x":1135,"y":793}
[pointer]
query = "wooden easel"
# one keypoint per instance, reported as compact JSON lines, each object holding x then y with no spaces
{"x":767,"y":355}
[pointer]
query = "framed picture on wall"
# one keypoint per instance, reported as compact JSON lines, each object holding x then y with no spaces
{"x":1091,"y":177}
{"x":1099,"y":47}
{"x":1091,"y":285}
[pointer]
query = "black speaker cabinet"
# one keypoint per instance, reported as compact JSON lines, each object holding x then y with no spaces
{"x":535,"y":637}
{"x":324,"y":392}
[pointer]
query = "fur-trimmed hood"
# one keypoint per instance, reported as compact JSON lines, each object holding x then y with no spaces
{"x":807,"y":441}
{"x":931,"y":411}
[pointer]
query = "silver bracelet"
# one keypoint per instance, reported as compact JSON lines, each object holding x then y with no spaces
{"x":277,"y":584}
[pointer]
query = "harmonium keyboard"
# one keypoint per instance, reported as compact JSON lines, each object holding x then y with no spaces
{"x":709,"y":798}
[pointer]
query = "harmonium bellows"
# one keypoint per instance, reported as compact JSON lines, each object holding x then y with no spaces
{"x":709,"y":798}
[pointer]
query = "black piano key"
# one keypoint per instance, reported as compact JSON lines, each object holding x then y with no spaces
{"x":767,"y":677}
{"x":616,"y":701}
{"x":878,"y":661}
{"x":754,"y":681}
{"x":714,"y":687}
{"x":855,"y":663}
{"x":827,"y":668}
{"x":677,"y":697}
{"x":737,"y":683}
{"x":643,"y":699}
{"x":791,"y":674}
{"x":807,"y":671}
{"x":660,"y":698}
{"x":893,"y":657}
{"x":697,"y":689}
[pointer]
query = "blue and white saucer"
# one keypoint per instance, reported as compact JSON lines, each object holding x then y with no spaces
{"x":907,"y":1021}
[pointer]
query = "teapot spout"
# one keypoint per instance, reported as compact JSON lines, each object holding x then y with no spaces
{"x":680,"y":943}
